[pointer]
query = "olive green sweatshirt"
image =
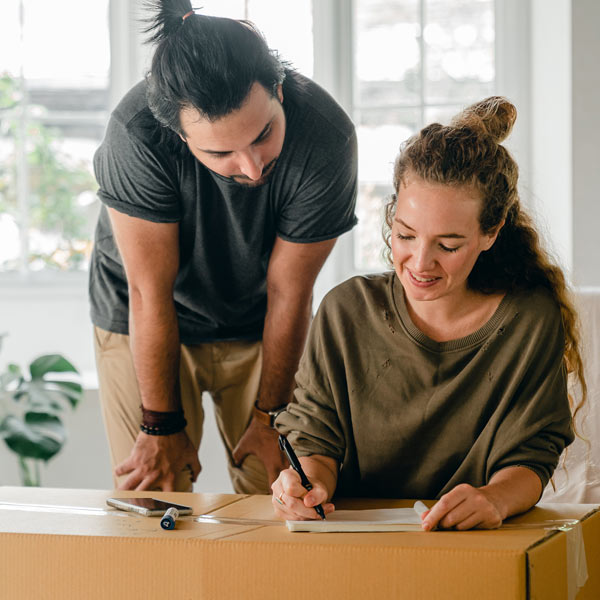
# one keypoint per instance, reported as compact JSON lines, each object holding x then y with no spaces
{"x":408,"y":417}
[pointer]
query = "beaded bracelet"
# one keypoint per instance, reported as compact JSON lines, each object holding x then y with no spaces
{"x":156,"y":422}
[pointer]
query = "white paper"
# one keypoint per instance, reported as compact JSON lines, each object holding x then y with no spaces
{"x":379,"y":519}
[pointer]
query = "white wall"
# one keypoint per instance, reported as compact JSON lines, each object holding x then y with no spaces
{"x":585,"y":33}
{"x":84,"y":461}
{"x":565,"y":128}
{"x":560,"y":177}
{"x":551,"y":131}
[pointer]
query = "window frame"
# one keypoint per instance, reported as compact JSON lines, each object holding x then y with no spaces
{"x":333,"y":51}
{"x":512,"y":51}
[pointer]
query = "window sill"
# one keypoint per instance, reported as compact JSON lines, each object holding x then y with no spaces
{"x":52,"y":283}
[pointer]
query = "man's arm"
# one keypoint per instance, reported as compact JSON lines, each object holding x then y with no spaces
{"x":150,"y":253}
{"x":291,"y":275}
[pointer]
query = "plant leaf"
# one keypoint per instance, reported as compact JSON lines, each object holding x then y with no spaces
{"x":50,"y":363}
{"x":11,"y":374}
{"x":71,"y":390}
{"x":39,"y":435}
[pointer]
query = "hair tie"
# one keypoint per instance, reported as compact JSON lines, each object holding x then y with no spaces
{"x":187,"y":14}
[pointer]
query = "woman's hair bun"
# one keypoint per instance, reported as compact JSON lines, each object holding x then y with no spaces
{"x":494,"y":115}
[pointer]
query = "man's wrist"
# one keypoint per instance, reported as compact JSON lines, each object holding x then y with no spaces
{"x":162,"y":422}
{"x":267,"y":417}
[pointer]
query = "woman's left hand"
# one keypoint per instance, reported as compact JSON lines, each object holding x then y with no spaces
{"x":464,"y":507}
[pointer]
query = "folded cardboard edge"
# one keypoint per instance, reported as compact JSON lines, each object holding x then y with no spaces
{"x":557,"y":583}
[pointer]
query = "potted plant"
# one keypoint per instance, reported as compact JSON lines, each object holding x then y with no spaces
{"x":31,"y":405}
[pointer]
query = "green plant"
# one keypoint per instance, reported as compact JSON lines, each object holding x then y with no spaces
{"x":54,"y":181}
{"x":32,"y":403}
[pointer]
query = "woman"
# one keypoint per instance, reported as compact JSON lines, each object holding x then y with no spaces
{"x":447,"y":377}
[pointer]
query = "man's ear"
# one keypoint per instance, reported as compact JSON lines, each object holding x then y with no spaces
{"x":280,"y":93}
{"x":493,"y":235}
{"x":182,"y":138}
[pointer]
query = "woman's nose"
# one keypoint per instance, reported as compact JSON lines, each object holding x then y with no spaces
{"x":423,"y":259}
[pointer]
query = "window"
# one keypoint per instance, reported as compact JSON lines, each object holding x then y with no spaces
{"x":415,"y":61}
{"x":53,"y":108}
{"x":54,"y":105}
{"x":286,"y":26}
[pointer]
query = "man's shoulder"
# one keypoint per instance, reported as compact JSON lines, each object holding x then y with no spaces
{"x":132,"y":119}
{"x":314,"y":108}
{"x":133,"y":106}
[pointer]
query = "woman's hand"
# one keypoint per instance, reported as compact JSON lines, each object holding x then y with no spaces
{"x":464,"y":507}
{"x":292,"y":502}
{"x":511,"y":490}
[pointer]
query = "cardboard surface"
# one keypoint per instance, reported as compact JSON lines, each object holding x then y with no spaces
{"x":69,"y":544}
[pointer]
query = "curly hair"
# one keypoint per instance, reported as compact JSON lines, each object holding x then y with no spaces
{"x":468,"y":152}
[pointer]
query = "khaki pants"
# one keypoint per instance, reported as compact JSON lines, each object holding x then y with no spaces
{"x":229,"y":371}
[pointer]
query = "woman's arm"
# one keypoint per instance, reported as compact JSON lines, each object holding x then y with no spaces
{"x":291,"y":501}
{"x":511,"y":490}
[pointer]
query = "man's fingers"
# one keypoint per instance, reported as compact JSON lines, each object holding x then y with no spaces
{"x":131,"y":483}
{"x":239,"y":453}
{"x":195,"y":469}
{"x":124,"y":468}
{"x":148,"y":483}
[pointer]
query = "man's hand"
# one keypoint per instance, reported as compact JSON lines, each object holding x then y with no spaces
{"x":262,"y":441}
{"x":156,"y":460}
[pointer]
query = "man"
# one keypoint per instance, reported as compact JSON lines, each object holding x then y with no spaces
{"x":225,"y":180}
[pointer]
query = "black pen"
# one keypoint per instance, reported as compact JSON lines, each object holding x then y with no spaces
{"x":295,"y":463}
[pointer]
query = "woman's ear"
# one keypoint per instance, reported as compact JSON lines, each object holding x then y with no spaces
{"x":492,"y":235}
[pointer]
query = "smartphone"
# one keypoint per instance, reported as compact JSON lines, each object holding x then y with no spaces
{"x":149,"y":507}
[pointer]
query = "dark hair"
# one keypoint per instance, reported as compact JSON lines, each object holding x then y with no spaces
{"x":205,"y":63}
{"x":468,"y":152}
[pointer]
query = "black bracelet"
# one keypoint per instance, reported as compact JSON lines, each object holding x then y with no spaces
{"x":162,"y":422}
{"x":164,"y":430}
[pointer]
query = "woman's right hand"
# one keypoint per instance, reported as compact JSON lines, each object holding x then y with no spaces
{"x":292,"y":502}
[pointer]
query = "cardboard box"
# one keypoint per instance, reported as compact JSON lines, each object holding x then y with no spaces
{"x":61,"y":544}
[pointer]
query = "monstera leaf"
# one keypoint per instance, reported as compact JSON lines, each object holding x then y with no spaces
{"x":41,"y":392}
{"x":37,"y":432}
{"x":38,"y":435}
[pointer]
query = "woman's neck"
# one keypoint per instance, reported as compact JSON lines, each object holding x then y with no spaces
{"x":453,"y":317}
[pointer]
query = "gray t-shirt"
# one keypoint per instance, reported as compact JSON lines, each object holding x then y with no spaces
{"x":226,"y":230}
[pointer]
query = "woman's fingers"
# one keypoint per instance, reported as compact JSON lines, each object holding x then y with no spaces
{"x":291,"y":501}
{"x":464,"y":507}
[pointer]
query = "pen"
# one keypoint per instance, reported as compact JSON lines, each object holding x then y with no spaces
{"x":168,"y":519}
{"x":295,"y":463}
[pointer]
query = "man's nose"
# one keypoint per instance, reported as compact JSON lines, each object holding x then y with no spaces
{"x":251,"y":164}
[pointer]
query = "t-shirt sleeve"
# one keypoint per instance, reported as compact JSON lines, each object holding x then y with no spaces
{"x":133,"y":178}
{"x":311,"y":421}
{"x":537,"y":427}
{"x":323,"y":206}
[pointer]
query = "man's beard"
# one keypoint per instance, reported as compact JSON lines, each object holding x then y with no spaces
{"x":267,"y":172}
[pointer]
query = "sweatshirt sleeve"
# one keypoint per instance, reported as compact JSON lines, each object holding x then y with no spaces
{"x":537,"y":426}
{"x":311,"y":421}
